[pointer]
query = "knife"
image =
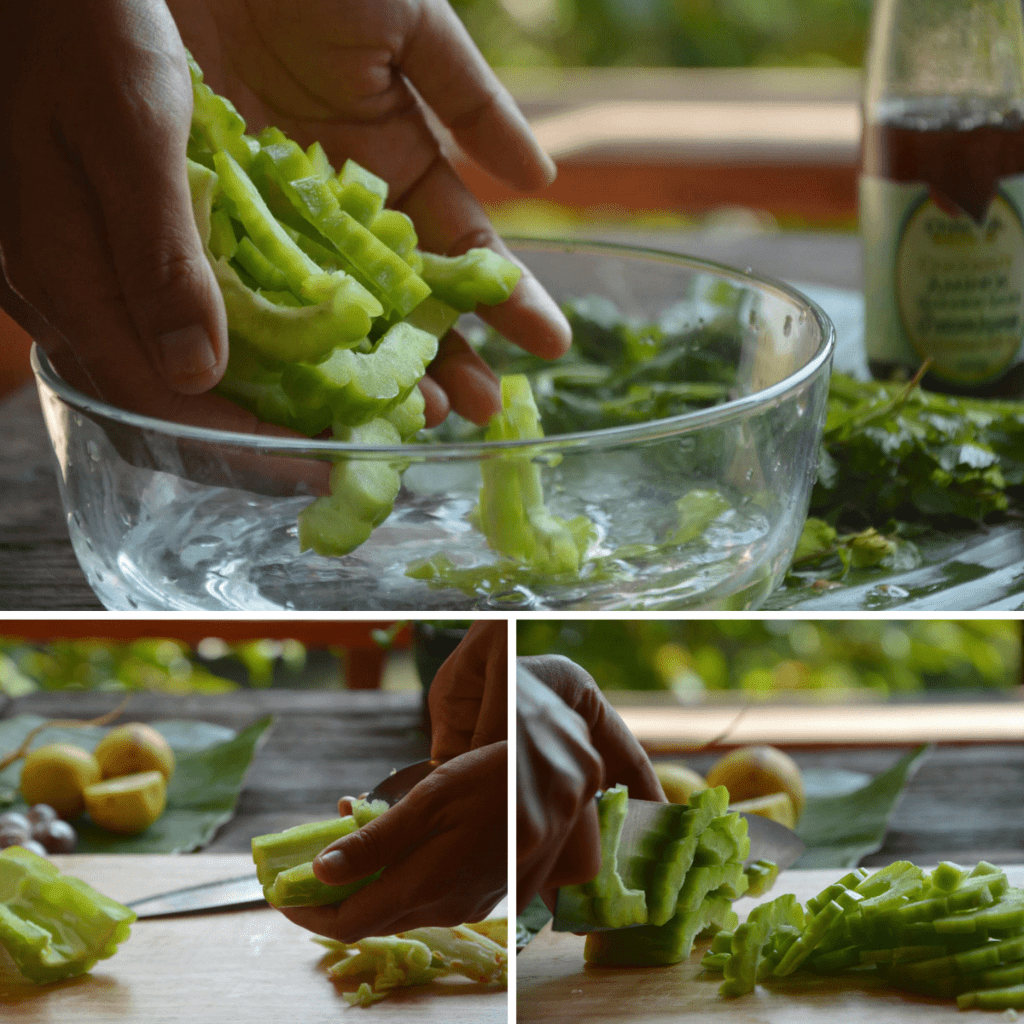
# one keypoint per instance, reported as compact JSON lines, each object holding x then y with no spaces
{"x":768,"y":841}
{"x":245,"y":890}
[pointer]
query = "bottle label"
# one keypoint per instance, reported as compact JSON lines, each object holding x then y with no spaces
{"x":940,"y":285}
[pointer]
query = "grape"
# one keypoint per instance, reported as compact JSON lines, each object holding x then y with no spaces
{"x":41,"y":812}
{"x":10,"y":835}
{"x":14,"y":819}
{"x":57,"y":836}
{"x":33,"y":847}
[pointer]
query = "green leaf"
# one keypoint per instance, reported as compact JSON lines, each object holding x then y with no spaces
{"x":211,"y":764}
{"x":839,"y":830}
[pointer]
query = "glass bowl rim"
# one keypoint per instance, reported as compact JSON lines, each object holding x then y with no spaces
{"x":684,"y":423}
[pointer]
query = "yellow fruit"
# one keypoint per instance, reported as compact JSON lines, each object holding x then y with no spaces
{"x":777,"y":806}
{"x":678,"y":781}
{"x":128,"y":804}
{"x":57,"y":774}
{"x":750,"y":772}
{"x":134,"y":748}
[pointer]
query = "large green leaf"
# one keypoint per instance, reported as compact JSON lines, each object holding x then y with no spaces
{"x":839,"y":830}
{"x":211,"y":765}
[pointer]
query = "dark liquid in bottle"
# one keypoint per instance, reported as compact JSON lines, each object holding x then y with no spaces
{"x":961,"y":151}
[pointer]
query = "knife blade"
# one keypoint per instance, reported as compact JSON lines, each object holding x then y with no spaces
{"x":246,"y":891}
{"x":228,"y":893}
{"x":768,"y":841}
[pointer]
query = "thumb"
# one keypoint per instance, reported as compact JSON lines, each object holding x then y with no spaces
{"x":140,"y":180}
{"x":370,"y":848}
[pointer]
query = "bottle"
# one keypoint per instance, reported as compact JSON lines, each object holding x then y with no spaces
{"x":942,"y":194}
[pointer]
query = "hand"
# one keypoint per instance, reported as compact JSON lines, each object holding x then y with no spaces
{"x":468,"y":697}
{"x":443,"y":848}
{"x":571,"y":743}
{"x":558,"y":771}
{"x":371,"y":80}
{"x":622,"y":757}
{"x":102,"y":259}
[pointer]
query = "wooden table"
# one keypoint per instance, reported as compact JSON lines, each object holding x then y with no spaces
{"x":38,"y":569}
{"x":243,"y":965}
{"x":554,"y":987}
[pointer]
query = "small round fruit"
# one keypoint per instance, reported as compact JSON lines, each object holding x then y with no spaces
{"x":57,"y":836}
{"x":128,"y":804}
{"x":15,"y":819}
{"x":776,"y":806}
{"x":33,"y":846}
{"x":41,"y":812}
{"x":57,"y":774}
{"x":678,"y":781}
{"x":134,"y":748}
{"x":11,"y":835}
{"x":749,"y":772}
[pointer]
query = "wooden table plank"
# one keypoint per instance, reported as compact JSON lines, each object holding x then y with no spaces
{"x":232,"y":966}
{"x":843,"y":724}
{"x":554,"y":987}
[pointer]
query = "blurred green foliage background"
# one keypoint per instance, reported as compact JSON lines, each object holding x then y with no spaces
{"x":768,"y":657}
{"x":668,"y":33}
{"x":166,"y":666}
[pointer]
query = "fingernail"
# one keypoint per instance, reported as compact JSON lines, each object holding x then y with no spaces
{"x":330,"y":863}
{"x":186,"y":354}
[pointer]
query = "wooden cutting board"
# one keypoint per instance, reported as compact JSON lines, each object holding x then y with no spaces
{"x":554,"y":987}
{"x":238,"y":966}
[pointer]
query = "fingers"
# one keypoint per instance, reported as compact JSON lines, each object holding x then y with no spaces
{"x":472,"y":387}
{"x":134,"y":160}
{"x":450,"y":221}
{"x":469,"y":694}
{"x":470,"y":100}
{"x":624,"y":759}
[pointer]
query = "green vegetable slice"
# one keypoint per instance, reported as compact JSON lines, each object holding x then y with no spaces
{"x":284,"y":859}
{"x":477,"y":276}
{"x":512,"y":513}
{"x":54,"y":926}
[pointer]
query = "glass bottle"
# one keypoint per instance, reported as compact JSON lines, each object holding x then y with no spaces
{"x":942,"y":193}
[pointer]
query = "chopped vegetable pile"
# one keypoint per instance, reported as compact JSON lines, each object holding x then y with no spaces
{"x":681,"y":885}
{"x":333,"y":311}
{"x":284,"y":860}
{"x":381,"y":964}
{"x":947,"y":933}
{"x":54,"y":926}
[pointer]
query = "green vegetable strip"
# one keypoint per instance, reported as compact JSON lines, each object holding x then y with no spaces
{"x":359,"y":192}
{"x":512,"y":512}
{"x":384,"y":272}
{"x":261,"y":225}
{"x":395,"y":229}
{"x":54,"y":926}
{"x":216,"y":121}
{"x":358,"y":387}
{"x":668,"y":870}
{"x":669,"y":943}
{"x":284,"y":859}
{"x":606,"y":897}
{"x":363,"y":492}
{"x":284,"y":333}
{"x":750,"y":938}
{"x":477,"y":276}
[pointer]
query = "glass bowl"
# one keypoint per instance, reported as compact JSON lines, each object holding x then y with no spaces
{"x":698,"y":510}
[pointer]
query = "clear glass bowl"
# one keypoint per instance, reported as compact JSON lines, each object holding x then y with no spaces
{"x":169,"y":517}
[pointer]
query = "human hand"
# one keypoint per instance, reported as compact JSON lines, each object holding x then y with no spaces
{"x":468,"y":697}
{"x":371,"y":81}
{"x":622,"y":757}
{"x":102,"y":260}
{"x":558,"y":771}
{"x":443,"y":848}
